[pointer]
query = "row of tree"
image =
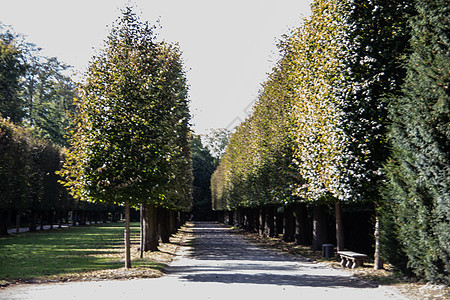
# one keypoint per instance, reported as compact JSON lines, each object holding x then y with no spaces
{"x":130,"y":144}
{"x":36,"y":100}
{"x":355,"y":112}
{"x":31,"y":194}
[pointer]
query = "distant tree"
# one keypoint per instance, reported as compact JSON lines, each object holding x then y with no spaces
{"x":12,"y":68}
{"x":27,"y":173}
{"x":35,"y":91}
{"x":48,"y":94}
{"x":203,"y":167}
{"x":216,"y":140}
{"x":15,"y":169}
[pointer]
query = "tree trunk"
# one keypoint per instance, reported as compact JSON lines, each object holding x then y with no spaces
{"x":262,"y":221}
{"x":52,"y":218}
{"x":249,"y":223}
{"x":18,"y":222}
{"x":172,"y":222}
{"x":378,"y":261}
{"x":319,"y":227}
{"x":41,"y":226}
{"x":256,"y":219}
{"x":150,"y":228}
{"x":179,"y":220}
{"x":33,"y":221}
{"x":127,"y":235}
{"x":289,"y":224}
{"x":59,"y":217}
{"x":82,"y":218}
{"x":339,"y":227}
{"x":163,"y":220}
{"x":230,"y":218}
{"x":241,"y":217}
{"x":270,"y":221}
{"x":3,"y":223}
{"x":279,"y":223}
{"x":301,"y":224}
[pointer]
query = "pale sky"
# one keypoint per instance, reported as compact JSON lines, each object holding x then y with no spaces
{"x":228,"y":46}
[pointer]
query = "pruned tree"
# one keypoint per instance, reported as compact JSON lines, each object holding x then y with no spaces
{"x":130,"y":144}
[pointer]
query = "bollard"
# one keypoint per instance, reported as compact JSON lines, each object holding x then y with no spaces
{"x":327,"y":250}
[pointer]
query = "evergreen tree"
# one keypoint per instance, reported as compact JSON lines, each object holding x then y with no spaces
{"x":418,"y":191}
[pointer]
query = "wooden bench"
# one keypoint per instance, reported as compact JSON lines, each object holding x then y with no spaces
{"x":350,"y":259}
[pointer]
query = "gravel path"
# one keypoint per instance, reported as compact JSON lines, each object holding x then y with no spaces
{"x":220,"y":265}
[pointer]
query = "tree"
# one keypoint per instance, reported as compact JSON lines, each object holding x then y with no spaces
{"x":12,"y":68}
{"x":374,"y":38}
{"x":312,"y":54}
{"x":416,"y":211}
{"x":48,"y":95}
{"x":203,"y":167}
{"x":216,"y":140}
{"x":27,"y":172}
{"x":15,"y":167}
{"x":131,"y":141}
{"x":35,"y":90}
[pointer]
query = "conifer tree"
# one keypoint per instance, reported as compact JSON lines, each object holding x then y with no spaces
{"x":417,"y":197}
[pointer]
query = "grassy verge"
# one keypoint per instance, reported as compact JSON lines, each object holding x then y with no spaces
{"x":77,"y":253}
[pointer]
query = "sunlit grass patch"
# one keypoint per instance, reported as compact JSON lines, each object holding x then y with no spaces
{"x":64,"y":252}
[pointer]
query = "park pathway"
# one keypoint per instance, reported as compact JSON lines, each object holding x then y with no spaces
{"x":217,"y":264}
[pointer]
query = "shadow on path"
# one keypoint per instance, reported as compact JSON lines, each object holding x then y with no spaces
{"x":218,"y":255}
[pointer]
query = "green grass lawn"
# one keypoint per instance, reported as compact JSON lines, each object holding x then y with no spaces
{"x":64,"y":251}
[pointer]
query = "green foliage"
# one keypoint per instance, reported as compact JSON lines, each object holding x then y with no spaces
{"x":27,"y":172}
{"x":256,"y":168}
{"x":12,"y":69}
{"x":48,"y":96}
{"x":15,"y":165}
{"x":34,"y":90}
{"x":313,"y":62}
{"x":419,"y":179}
{"x":132,"y":138}
{"x":203,"y":164}
{"x":374,"y":38}
{"x":216,"y":140}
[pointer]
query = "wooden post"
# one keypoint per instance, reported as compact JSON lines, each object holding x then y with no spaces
{"x":141,"y":242}
{"x":127,"y":235}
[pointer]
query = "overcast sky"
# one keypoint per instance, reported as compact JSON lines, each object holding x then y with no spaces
{"x":228,"y":46}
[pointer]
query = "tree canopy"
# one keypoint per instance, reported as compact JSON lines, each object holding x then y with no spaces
{"x":131,"y":139}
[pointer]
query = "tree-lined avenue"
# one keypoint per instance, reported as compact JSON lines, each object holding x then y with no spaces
{"x":215,"y":263}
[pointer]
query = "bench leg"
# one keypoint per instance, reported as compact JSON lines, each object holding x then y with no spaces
{"x":343,"y":261}
{"x":350,"y":263}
